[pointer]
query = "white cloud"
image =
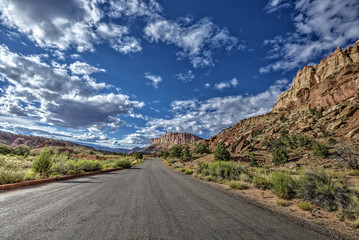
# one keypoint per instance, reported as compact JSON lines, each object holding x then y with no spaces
{"x":320,"y":27}
{"x":275,"y":5}
{"x":82,"y":68}
{"x":196,"y":42}
{"x":185,"y":77}
{"x":207,"y":85}
{"x":155,"y":80}
{"x":222,"y":85}
{"x":213,"y":115}
{"x":134,"y":8}
{"x":35,"y":89}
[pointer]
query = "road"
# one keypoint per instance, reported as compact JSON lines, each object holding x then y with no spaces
{"x":149,"y":201}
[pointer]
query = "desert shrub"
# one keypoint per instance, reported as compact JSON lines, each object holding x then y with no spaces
{"x":11,"y":175}
{"x":22,"y":151}
{"x":283,"y":185}
{"x":283,"y":119}
{"x":319,"y":188}
{"x":279,"y":156}
{"x":220,"y":169}
{"x":43,"y":163}
{"x":302,"y":141}
{"x":332,"y":141}
{"x":221,"y":153}
{"x":71,"y":172}
{"x":283,"y":203}
{"x":352,"y":209}
{"x":138,"y":155}
{"x":202,"y":149}
{"x":305,"y":206}
{"x":188,"y":171}
{"x":245,"y":178}
{"x":265,"y":143}
{"x":88,"y":165}
{"x":202,"y":167}
{"x":122,"y":163}
{"x":210,"y":179}
{"x":313,"y":111}
{"x":176,"y":151}
{"x":255,"y":133}
{"x":320,"y":150}
{"x":6,"y":150}
{"x":237,"y":185}
{"x":165,"y":154}
{"x":106,"y":166}
{"x":185,"y":154}
{"x":253,"y":162}
{"x":262,"y":183}
{"x":319,"y":115}
{"x":347,"y":157}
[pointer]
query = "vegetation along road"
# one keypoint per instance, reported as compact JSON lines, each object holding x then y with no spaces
{"x":150,"y":201}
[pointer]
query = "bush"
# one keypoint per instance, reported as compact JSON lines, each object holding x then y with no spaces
{"x":347,"y":157}
{"x":237,"y":185}
{"x":253,"y":162}
{"x":210,"y":179}
{"x":11,"y":176}
{"x":88,"y":165}
{"x":262,"y":183}
{"x":122,"y":163}
{"x":320,"y":150}
{"x":221,"y":169}
{"x":280,"y":156}
{"x":305,"y":206}
{"x":283,"y":203}
{"x":165,"y":154}
{"x":221,"y":153}
{"x":202,"y":149}
{"x":138,"y":155}
{"x":176,"y":151}
{"x":283,"y":119}
{"x":283,"y":185}
{"x":185,"y":154}
{"x":71,"y":172}
{"x":319,"y":188}
{"x":6,"y":150}
{"x":332,"y":141}
{"x":188,"y":171}
{"x":43,"y":162}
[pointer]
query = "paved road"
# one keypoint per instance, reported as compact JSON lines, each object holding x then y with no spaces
{"x":150,"y":201}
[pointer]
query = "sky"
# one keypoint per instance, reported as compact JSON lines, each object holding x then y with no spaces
{"x":117,"y":73}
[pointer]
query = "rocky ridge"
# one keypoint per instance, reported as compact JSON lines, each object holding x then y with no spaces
{"x":322,"y":102}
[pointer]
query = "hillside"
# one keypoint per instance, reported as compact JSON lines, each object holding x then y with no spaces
{"x":322,"y":103}
{"x":36,"y":143}
{"x":169,"y":140}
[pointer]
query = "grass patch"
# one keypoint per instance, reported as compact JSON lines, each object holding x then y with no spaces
{"x":283,"y":203}
{"x":283,"y":185}
{"x":305,"y":206}
{"x":262,"y":183}
{"x":237,"y":185}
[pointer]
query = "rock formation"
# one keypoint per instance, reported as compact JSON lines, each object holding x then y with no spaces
{"x":169,"y":140}
{"x":323,"y":103}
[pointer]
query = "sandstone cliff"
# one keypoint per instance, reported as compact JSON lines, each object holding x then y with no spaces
{"x":333,"y":80}
{"x":169,"y":140}
{"x":322,"y":103}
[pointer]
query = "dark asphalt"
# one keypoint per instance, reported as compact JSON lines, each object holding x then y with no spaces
{"x":150,"y":201}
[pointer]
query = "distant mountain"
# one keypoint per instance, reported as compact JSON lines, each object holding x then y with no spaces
{"x":322,"y":103}
{"x":117,"y":150}
{"x":169,"y":140}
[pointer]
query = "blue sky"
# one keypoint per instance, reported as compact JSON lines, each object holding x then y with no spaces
{"x":117,"y":73}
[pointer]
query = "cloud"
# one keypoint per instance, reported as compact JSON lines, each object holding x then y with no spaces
{"x":134,"y":8}
{"x":82,"y":68}
{"x":48,"y":93}
{"x":155,"y":80}
{"x":196,"y":42}
{"x":185,"y":77}
{"x":275,"y":5}
{"x":220,"y":86}
{"x":320,"y":27}
{"x":210,"y":116}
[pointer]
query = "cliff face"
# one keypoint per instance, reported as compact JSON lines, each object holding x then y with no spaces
{"x":332,"y":87}
{"x":169,"y":140}
{"x":334,"y":80}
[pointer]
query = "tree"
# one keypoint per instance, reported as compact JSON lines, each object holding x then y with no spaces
{"x":138,"y":155}
{"x":221,"y":152}
{"x":202,"y":149}
{"x":165,"y":154}
{"x":185,"y":154}
{"x":176,"y":151}
{"x":43,"y":162}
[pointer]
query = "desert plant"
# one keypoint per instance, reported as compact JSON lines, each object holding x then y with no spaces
{"x":332,"y":141}
{"x":43,"y":163}
{"x":305,"y":206}
{"x":347,"y":157}
{"x":138,"y":155}
{"x":202,"y":149}
{"x":283,"y":185}
{"x":221,"y":153}
{"x":165,"y":154}
{"x":123,"y":163}
{"x":188,"y":171}
{"x":320,"y":150}
{"x":237,"y":185}
{"x":283,"y":203}
{"x":176,"y":151}
{"x":319,"y":188}
{"x":6,"y":150}
{"x":210,"y":178}
{"x":279,"y":156}
{"x":185,"y":154}
{"x":262,"y":183}
{"x":283,"y":119}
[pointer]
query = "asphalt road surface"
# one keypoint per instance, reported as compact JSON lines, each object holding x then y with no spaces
{"x":149,"y":201}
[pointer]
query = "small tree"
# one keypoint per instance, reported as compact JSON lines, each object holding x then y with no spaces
{"x":280,"y":156}
{"x":165,"y":154}
{"x":221,"y":153}
{"x":202,"y":149}
{"x":43,"y":162}
{"x":185,"y":154}
{"x":176,"y":151}
{"x":138,"y":155}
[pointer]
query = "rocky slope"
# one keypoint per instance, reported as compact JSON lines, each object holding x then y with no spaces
{"x":323,"y":103}
{"x":169,"y":140}
{"x":34,"y":142}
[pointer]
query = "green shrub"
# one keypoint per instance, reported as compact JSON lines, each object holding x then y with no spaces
{"x":245,"y":178}
{"x":176,"y":151}
{"x":6,"y":150}
{"x":283,"y":203}
{"x":319,"y":188}
{"x":332,"y":141}
{"x":253,"y":162}
{"x":255,"y":133}
{"x":265,"y":143}
{"x":283,"y":185}
{"x":88,"y":165}
{"x":202,"y":149}
{"x":262,"y":183}
{"x":210,"y":179}
{"x":11,"y":176}
{"x":313,"y":111}
{"x":71,"y":172}
{"x":43,"y":163}
{"x":283,"y":119}
{"x":185,"y":154}
{"x":305,"y":206}
{"x":138,"y":155}
{"x":188,"y":171}
{"x":237,"y":185}
{"x":165,"y":154}
{"x":319,"y":115}
{"x":122,"y":163}
{"x":320,"y":150}
{"x":221,"y":153}
{"x":280,"y":156}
